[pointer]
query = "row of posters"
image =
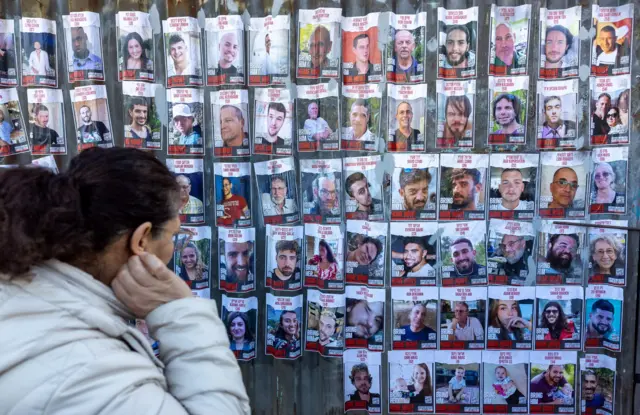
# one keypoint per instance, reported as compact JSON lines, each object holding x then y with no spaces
{"x":457,"y":318}
{"x":325,"y":39}
{"x":322,"y":118}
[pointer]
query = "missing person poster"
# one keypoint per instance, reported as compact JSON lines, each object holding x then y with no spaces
{"x":511,"y":318}
{"x":603,"y":311}
{"x":361,"y":54}
{"x":365,"y":318}
{"x":240,"y":317}
{"x":361,"y":105}
{"x":463,"y":253}
{"x":563,"y":178}
{"x":318,"y":117}
{"x":560,"y":42}
{"x":186,"y":121}
{"x":192,"y":259}
{"x":406,"y":52}
{"x":39,"y":54}
{"x":273,"y":122}
{"x":230,"y":114}
{"x":457,"y":43}
{"x":597,"y":384}
{"x":91,"y":117}
{"x":284,"y":257}
{"x":143,"y":126}
{"x":365,"y":254}
{"x":363,"y":186}
{"x":512,"y":188}
{"x":411,"y":377}
{"x":458,"y":381}
{"x":183,"y":58}
{"x":406,"y":109}
{"x":414,"y":318}
{"x":508,"y":99}
{"x":608,"y":193}
{"x":608,"y":253}
{"x":559,"y":317}
{"x":609,"y":125}
{"x":237,"y":262}
{"x":553,"y":382}
{"x":189,"y":174}
{"x":326,"y":315}
{"x":8,"y":62}
{"x":321,"y":184}
{"x":414,"y":252}
{"x":509,"y":41}
{"x":612,"y":40}
{"x":135,"y":46}
{"x":83,"y":42}
{"x":319,"y":43}
{"x":557,"y":115}
{"x":511,"y":258}
{"x":284,"y":326}
{"x":462,"y":186}
{"x":233,"y":194}
{"x":276,"y":182}
{"x":506,"y":382}
{"x":463,"y":314}
{"x":324,"y":256}
{"x":269,"y":49}
{"x":362,"y":381}
{"x":225,"y":50}
{"x":456,"y":113}
{"x":414,"y":186}
{"x":560,"y":249}
{"x":46,"y":121}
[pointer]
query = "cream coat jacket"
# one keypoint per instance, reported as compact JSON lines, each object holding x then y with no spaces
{"x":65,"y":348}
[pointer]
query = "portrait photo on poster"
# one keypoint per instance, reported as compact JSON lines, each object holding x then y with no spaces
{"x":318,"y":117}
{"x":240,"y":317}
{"x":414,"y":186}
{"x":276,"y":182}
{"x":321,"y":184}
{"x":319,"y":46}
{"x":284,"y":257}
{"x":39,"y":53}
{"x":553,"y":382}
{"x":511,"y":317}
{"x":612,"y":40}
{"x":463,"y":178}
{"x":564,"y":192}
{"x":608,"y":253}
{"x":361,"y":118}
{"x":236,"y":264}
{"x":84,"y":46}
{"x":458,"y":381}
{"x":597,"y":384}
{"x":509,"y":41}
{"x":233,"y":194}
{"x":559,"y":317}
{"x":610,"y":110}
{"x":362,"y":380}
{"x":560,"y":253}
{"x":192,"y":258}
{"x":506,"y":381}
{"x":135,"y":47}
{"x":414,"y":252}
{"x":225,"y":50}
{"x":230,"y":114}
{"x":8,"y":62}
{"x":363,"y":186}
{"x":183,"y":58}
{"x":361,"y":54}
{"x":284,"y":326}
{"x":324,"y":256}
{"x":185,"y":134}
{"x":463,"y":253}
{"x":46,"y":122}
{"x":509,"y":99}
{"x":457,"y":42}
{"x":406,"y":51}
{"x":13,"y":137}
{"x":510,"y":249}
{"x":273,"y":122}
{"x":560,"y":42}
{"x":91,"y":117}
{"x":325,"y":323}
{"x":406,"y":117}
{"x":414,"y":318}
{"x":463,"y":313}
{"x":143,"y":127}
{"x":455,"y":113}
{"x":269,"y":48}
{"x":365,"y":318}
{"x":411,"y":377}
{"x":365,"y":252}
{"x":608,"y":191}
{"x":189,"y":174}
{"x":513,"y":181}
{"x":557,"y":116}
{"x":603,"y":310}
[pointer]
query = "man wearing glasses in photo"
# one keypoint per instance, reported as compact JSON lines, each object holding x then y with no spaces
{"x":514,"y":251}
{"x":563,"y":188}
{"x":325,"y":197}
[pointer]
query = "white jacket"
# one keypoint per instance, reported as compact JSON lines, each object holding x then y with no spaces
{"x":66,"y":349}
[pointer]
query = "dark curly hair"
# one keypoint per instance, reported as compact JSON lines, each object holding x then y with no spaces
{"x":75,"y":215}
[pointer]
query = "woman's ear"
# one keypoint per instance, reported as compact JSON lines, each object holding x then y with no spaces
{"x":140,"y":238}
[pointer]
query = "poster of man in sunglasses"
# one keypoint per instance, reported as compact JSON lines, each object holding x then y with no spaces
{"x":512,"y":188}
{"x":276,"y":182}
{"x":414,"y":186}
{"x":363,"y":183}
{"x":414,"y":318}
{"x":414,"y":251}
{"x":365,"y":318}
{"x":560,"y":250}
{"x":612,"y":40}
{"x":608,"y":193}
{"x":557,"y":116}
{"x":458,"y":42}
{"x":509,"y":46}
{"x":462,"y":187}
{"x":366,"y":252}
{"x":324,"y":256}
{"x":284,"y":257}
{"x":511,"y":317}
{"x":321,"y":184}
{"x":608,"y":253}
{"x":560,"y":42}
{"x":565,"y":194}
{"x":406,"y":117}
{"x":608,"y":96}
{"x":463,"y":253}
{"x":511,"y":259}
{"x":559,"y":317}
{"x":509,"y":98}
{"x":463,"y":313}
{"x":456,"y":114}
{"x":326,"y":316}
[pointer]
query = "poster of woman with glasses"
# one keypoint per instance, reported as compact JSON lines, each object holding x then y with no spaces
{"x":563,"y":188}
{"x":608,"y":95}
{"x":609,"y":178}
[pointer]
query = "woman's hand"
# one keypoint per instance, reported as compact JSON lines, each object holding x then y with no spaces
{"x":145,"y":283}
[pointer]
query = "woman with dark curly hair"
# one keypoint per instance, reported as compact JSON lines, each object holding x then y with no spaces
{"x":88,"y":253}
{"x":554,"y":319}
{"x":240,"y":335}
